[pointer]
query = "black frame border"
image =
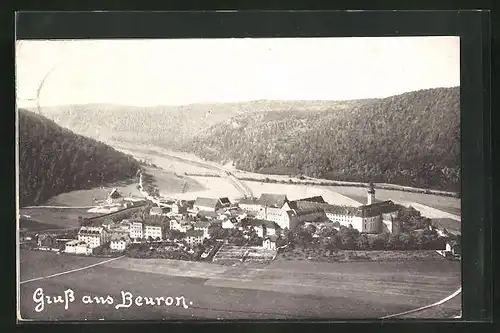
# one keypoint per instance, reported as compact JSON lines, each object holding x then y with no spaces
{"x":472,"y":26}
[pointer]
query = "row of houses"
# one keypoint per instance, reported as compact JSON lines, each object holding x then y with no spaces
{"x":267,"y":215}
{"x":374,"y":217}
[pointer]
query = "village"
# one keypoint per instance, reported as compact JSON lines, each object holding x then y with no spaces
{"x":250,"y":229}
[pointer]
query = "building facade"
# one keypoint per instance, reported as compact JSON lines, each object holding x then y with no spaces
{"x":203,"y":227}
{"x":154,"y":231}
{"x":194,"y":237}
{"x":93,"y":236}
{"x":136,"y":231}
{"x":78,"y":247}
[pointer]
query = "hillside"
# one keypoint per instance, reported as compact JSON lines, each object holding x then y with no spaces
{"x":167,"y":126}
{"x":53,"y":160}
{"x":411,"y":139}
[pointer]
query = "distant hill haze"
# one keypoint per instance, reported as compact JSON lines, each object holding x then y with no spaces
{"x":54,"y":160}
{"x":410,"y":139}
{"x":167,"y":126}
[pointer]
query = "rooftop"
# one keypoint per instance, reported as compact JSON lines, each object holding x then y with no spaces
{"x":114,"y":194}
{"x":119,"y":236}
{"x":75,"y":242}
{"x":206,"y":202}
{"x":272,"y":238}
{"x":317,"y":199}
{"x":156,"y":210}
{"x":377,"y":208}
{"x":273,"y":199}
{"x":225,"y":201}
{"x":202,"y":224}
{"x":194,"y":233}
{"x":259,"y":223}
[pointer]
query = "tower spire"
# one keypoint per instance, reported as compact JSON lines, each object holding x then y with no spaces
{"x":371,"y":194}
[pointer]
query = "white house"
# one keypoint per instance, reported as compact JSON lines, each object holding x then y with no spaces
{"x":153,"y":230}
{"x":78,"y":247}
{"x":194,"y":237}
{"x":93,"y":236}
{"x":262,"y":228}
{"x":136,"y":230}
{"x":182,"y":226}
{"x":269,"y":243}
{"x":119,"y":242}
{"x":228,"y":224}
{"x":203,"y":227}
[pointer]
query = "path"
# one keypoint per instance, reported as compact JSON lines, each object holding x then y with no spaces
{"x":444,"y":300}
{"x":70,"y":271}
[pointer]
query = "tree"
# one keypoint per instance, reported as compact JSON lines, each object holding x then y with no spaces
{"x":81,"y":221}
{"x":176,"y":234}
{"x":217,"y":232}
{"x":348,"y":236}
{"x":362,"y":242}
{"x":406,"y":240}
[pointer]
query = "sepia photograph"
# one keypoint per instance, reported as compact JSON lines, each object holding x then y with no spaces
{"x":238,"y":178}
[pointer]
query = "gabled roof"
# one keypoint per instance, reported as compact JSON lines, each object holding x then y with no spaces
{"x":311,"y":210}
{"x":119,"y":236}
{"x":378,"y":208}
{"x":225,"y":200}
{"x":208,"y":214}
{"x":202,"y":224}
{"x":318,"y":199}
{"x":249,"y":201}
{"x":114,"y":194}
{"x":206,"y":202}
{"x":156,"y":210}
{"x":260,"y":223}
{"x":340,"y":210}
{"x":273,"y":200}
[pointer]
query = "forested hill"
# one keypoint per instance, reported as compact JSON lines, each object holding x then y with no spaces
{"x":53,"y":160}
{"x":166,"y":125}
{"x":411,"y":139}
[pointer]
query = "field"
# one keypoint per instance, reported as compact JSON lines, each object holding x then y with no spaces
{"x":38,"y":263}
{"x":229,"y":254}
{"x":358,"y":256}
{"x":280,"y":290}
{"x":215,"y":187}
{"x":169,"y":183}
{"x":37,"y":226}
{"x":55,"y":217}
{"x":160,"y":159}
{"x":87,"y":197}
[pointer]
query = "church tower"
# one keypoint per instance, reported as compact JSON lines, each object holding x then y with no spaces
{"x":371,"y":194}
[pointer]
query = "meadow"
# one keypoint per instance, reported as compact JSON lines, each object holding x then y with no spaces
{"x":171,"y":183}
{"x":55,"y":217}
{"x":90,"y":196}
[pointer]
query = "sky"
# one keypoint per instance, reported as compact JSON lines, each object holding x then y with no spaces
{"x":186,"y":71}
